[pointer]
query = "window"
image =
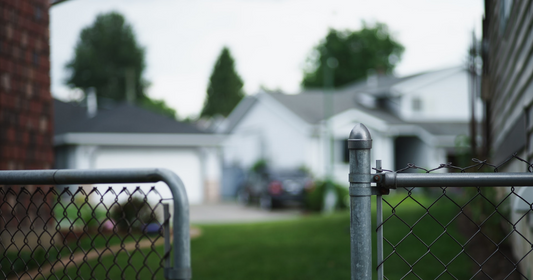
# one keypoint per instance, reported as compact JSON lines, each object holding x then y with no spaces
{"x":416,"y":104}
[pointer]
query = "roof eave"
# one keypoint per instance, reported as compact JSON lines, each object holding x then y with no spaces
{"x":139,"y":139}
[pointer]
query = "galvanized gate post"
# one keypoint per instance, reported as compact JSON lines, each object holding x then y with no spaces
{"x":359,"y":145}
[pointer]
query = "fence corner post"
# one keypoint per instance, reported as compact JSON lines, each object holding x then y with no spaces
{"x":359,"y":146}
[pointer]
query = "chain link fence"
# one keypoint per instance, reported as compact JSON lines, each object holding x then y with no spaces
{"x":449,"y":222}
{"x":92,"y":231}
{"x":471,"y":232}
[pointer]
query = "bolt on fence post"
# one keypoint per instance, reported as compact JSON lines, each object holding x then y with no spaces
{"x":359,"y":145}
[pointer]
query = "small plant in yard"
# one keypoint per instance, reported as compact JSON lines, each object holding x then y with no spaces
{"x":134,"y":214}
{"x":314,"y":200}
{"x":260,"y":166}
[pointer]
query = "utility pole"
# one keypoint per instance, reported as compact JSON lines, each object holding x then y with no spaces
{"x":130,"y":85}
{"x":330,"y":198}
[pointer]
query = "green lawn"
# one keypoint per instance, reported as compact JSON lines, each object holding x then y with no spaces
{"x":428,"y":241}
{"x":313,"y":247}
{"x":137,"y":264}
{"x":26,"y":260}
{"x":318,"y":247}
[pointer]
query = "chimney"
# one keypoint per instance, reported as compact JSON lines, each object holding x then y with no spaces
{"x":130,"y":85}
{"x":92,"y":103}
{"x":371,"y":78}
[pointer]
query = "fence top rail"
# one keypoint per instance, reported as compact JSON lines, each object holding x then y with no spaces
{"x":85,"y":176}
{"x":394,"y":180}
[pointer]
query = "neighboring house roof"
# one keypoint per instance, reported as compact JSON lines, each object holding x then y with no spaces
{"x":441,"y":134}
{"x":123,"y":125}
{"x":378,"y":85}
{"x":309,"y":105}
{"x":441,"y":128}
{"x":237,"y":114}
{"x":424,"y":80}
{"x":124,"y":118}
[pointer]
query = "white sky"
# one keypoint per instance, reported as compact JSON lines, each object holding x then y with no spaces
{"x":269,"y":39}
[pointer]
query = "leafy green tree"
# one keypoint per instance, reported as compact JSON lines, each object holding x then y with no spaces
{"x":225,"y":87}
{"x":108,"y":58}
{"x":104,"y":53}
{"x":354,"y":54}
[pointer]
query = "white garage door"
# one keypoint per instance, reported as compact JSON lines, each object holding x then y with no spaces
{"x":184,"y":162}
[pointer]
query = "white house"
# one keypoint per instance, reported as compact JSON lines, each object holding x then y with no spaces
{"x":414,"y":119}
{"x":126,"y":136}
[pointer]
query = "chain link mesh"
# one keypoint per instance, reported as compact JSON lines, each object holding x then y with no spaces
{"x":81,"y":233}
{"x":459,"y":233}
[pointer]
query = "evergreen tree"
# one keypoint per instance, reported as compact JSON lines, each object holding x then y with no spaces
{"x":225,"y":87}
{"x":355,"y":53}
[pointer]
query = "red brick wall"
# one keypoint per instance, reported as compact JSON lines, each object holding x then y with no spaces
{"x":26,"y":130}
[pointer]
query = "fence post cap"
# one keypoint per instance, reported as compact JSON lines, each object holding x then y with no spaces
{"x":360,"y":132}
{"x":359,"y":138}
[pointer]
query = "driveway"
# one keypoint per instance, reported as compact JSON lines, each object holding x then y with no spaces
{"x":232,"y":212}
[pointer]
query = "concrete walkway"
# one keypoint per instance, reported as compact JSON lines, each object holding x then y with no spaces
{"x":231,"y":212}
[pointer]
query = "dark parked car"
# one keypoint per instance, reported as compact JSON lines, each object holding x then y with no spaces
{"x":272,"y":189}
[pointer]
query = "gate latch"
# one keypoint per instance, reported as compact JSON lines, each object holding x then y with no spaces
{"x":377,"y":178}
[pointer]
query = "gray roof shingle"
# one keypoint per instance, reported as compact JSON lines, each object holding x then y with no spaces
{"x":124,"y":118}
{"x":309,"y":104}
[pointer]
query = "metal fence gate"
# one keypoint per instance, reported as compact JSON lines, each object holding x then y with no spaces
{"x":53,"y":228}
{"x":444,"y":223}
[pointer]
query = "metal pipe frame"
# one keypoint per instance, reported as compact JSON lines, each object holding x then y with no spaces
{"x":395,"y":180}
{"x":181,"y":269}
{"x":359,"y":145}
{"x":379,"y":229}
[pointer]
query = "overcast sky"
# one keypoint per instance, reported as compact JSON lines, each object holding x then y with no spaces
{"x":269,"y":39}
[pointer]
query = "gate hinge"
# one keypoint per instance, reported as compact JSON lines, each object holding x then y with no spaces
{"x":354,"y":192}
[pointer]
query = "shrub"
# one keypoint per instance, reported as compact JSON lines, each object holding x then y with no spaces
{"x":314,"y":200}
{"x":135,"y":213}
{"x":260,"y":166}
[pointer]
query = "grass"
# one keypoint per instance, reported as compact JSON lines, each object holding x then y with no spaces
{"x":313,"y":247}
{"x":423,"y":239}
{"x":319,"y":247}
{"x":310,"y":248}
